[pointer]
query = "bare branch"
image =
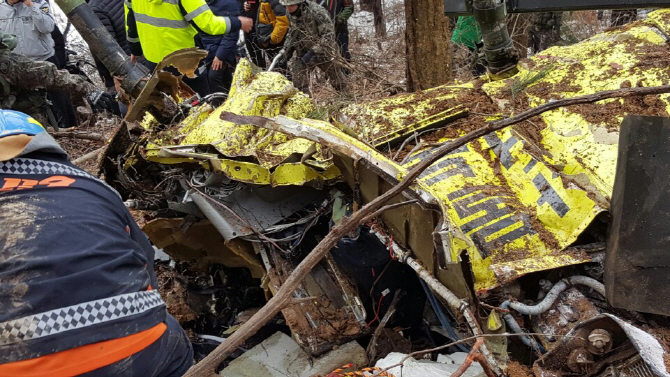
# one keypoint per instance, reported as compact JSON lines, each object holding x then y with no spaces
{"x":88,"y":156}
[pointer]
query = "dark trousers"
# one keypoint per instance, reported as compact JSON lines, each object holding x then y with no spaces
{"x":221,"y":79}
{"x":342,"y":35}
{"x":169,"y":356}
{"x":199,"y":84}
{"x":61,"y":103}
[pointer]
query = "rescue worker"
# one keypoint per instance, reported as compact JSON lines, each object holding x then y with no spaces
{"x":340,"y":11}
{"x":77,"y":286}
{"x":22,"y":78}
{"x":33,"y":23}
{"x":222,"y":49}
{"x":156,"y":28}
{"x":110,"y":13}
{"x":269,"y":33}
{"x":312,"y":38}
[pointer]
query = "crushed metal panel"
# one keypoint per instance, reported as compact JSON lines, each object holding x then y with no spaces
{"x":201,"y":244}
{"x":187,"y":60}
{"x":334,"y":315}
{"x":258,"y":207}
{"x":638,"y":259}
{"x":516,"y":198}
{"x":501,"y":211}
{"x":244,"y":152}
{"x":390,"y":119}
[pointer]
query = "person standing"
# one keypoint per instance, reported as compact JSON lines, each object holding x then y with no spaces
{"x":222,"y":49}
{"x":111,"y":14}
{"x":271,"y":26}
{"x":32,"y":22}
{"x":312,"y":38}
{"x":340,"y":11}
{"x":157,"y":28}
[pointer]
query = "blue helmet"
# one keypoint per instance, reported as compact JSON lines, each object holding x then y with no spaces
{"x":17,"y":123}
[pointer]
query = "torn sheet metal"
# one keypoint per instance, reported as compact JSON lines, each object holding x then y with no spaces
{"x":327,"y":310}
{"x":201,"y":244}
{"x":514,"y":199}
{"x":240,"y":212}
{"x":167,"y":84}
{"x":246,"y":153}
{"x":586,"y":351}
{"x":391,"y":120}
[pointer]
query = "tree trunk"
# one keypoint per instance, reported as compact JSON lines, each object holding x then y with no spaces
{"x":427,"y":44}
{"x":380,"y":23}
{"x":366,"y":5}
{"x":376,"y":8}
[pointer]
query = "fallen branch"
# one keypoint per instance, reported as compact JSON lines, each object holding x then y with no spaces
{"x":281,"y":298}
{"x":88,"y":156}
{"x":469,"y":359}
{"x":588,"y":98}
{"x":79,"y":135}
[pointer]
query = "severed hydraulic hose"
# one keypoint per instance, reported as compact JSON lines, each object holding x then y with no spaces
{"x":553,"y":293}
{"x":545,"y":304}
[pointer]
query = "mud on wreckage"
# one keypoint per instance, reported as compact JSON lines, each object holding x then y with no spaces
{"x":505,"y":235}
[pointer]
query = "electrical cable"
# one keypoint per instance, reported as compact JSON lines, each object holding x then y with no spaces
{"x":441,"y":316}
{"x":379,"y":307}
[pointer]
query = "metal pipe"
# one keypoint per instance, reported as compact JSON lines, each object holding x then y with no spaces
{"x":214,"y":216}
{"x":456,"y":304}
{"x":553,"y":294}
{"x":498,"y":49}
{"x":104,"y":46}
{"x":513,"y":326}
{"x":276,"y":59}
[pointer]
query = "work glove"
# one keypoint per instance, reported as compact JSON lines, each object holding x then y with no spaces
{"x":7,"y":41}
{"x":101,"y":100}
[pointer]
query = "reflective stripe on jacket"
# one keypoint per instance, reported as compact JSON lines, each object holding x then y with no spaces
{"x":32,"y":27}
{"x":165,"y":26}
{"x":76,"y":269}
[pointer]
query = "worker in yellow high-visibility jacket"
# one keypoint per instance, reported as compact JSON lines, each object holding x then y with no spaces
{"x":156,"y":28}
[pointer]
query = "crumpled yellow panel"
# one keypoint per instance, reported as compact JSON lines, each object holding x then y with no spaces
{"x":265,"y":152}
{"x":253,"y":93}
{"x":515,"y":199}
